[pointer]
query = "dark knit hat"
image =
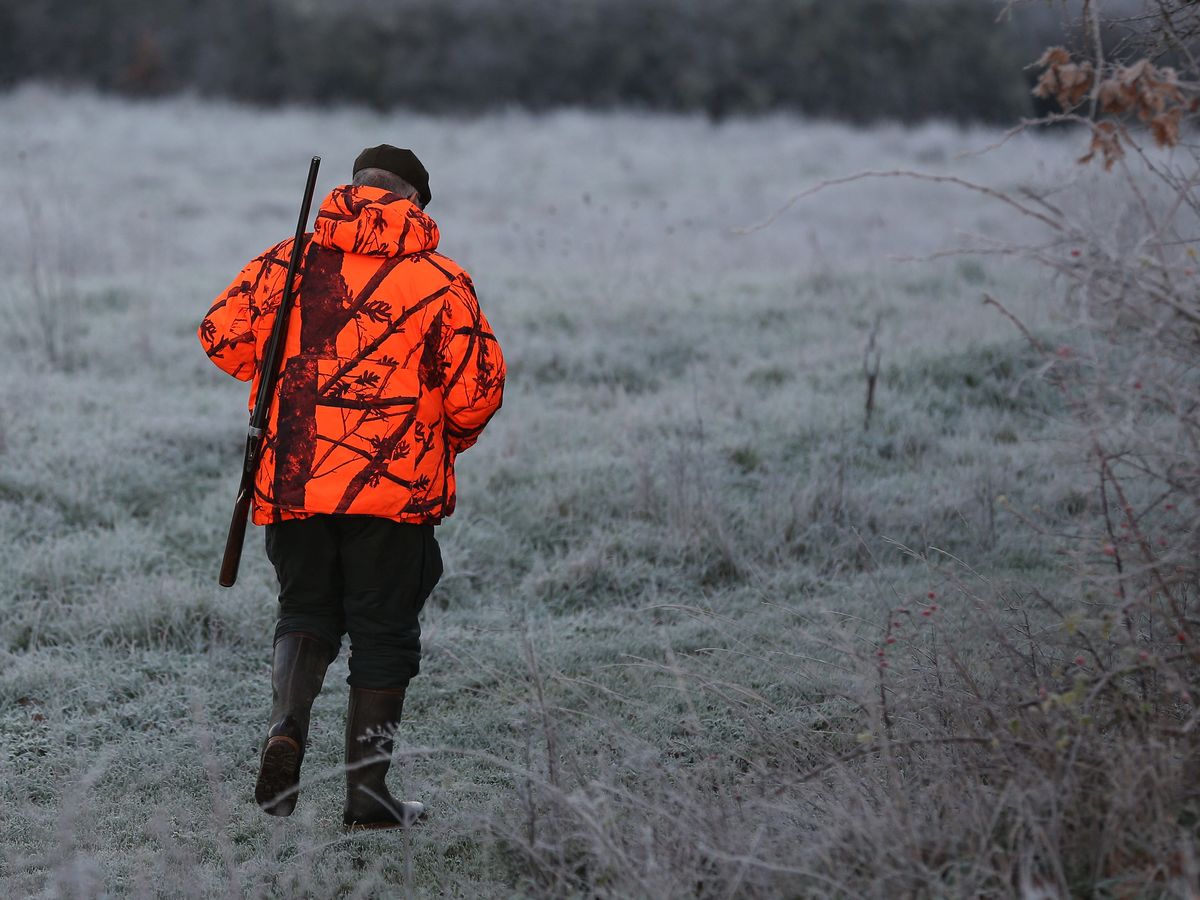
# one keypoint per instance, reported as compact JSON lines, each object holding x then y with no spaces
{"x":399,"y":162}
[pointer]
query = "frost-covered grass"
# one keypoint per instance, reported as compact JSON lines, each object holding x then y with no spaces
{"x":678,"y":507}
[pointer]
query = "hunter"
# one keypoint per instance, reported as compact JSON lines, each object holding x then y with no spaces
{"x":390,"y":371}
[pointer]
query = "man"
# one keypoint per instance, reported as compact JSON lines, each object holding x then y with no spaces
{"x":390,"y":371}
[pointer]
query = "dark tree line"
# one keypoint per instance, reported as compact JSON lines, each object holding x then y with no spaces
{"x":848,"y":59}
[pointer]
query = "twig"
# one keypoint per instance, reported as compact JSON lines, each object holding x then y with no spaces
{"x":871,"y":358}
{"x":903,"y":173}
{"x":989,"y":300}
{"x":1093,"y":18}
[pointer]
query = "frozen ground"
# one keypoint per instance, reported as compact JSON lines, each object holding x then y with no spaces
{"x":678,"y":489}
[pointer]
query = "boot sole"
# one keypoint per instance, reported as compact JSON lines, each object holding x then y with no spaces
{"x":278,"y":776}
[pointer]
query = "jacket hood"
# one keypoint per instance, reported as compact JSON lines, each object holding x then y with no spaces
{"x":373,"y":222}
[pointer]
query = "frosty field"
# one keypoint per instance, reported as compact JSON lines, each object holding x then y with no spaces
{"x":674,"y":547}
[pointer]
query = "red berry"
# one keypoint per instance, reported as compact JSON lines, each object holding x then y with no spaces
{"x":1076,"y":252}
{"x":890,"y":640}
{"x":1181,"y":637}
{"x":1079,"y":660}
{"x":1109,"y":550}
{"x":931,"y":595}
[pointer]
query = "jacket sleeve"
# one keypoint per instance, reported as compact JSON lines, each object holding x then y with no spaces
{"x":474,"y":385}
{"x":227,"y":331}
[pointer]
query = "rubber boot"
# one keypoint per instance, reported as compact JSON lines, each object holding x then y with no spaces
{"x":297,"y":671}
{"x":370,"y":723}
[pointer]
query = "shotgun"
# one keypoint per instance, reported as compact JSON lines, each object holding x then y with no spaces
{"x":267,"y":380}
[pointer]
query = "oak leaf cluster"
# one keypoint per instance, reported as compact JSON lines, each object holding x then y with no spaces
{"x":1151,"y":94}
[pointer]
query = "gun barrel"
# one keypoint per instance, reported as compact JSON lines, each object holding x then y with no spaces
{"x":267,"y":379}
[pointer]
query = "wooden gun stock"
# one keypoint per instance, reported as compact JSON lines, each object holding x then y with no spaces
{"x":268,"y":378}
{"x":241,"y":515}
{"x":235,"y":539}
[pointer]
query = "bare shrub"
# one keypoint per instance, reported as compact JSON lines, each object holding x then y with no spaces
{"x":42,"y":315}
{"x":990,"y":739}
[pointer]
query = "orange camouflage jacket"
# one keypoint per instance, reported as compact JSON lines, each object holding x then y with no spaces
{"x":390,"y":368}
